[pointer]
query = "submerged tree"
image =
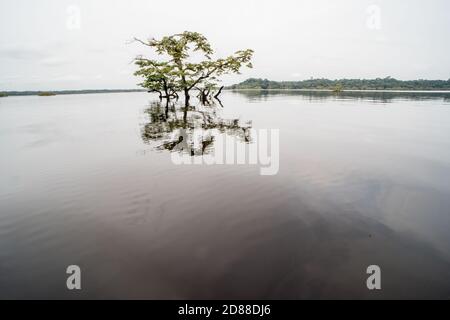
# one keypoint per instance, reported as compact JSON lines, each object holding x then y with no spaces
{"x":187,"y":75}
{"x":207,"y":90}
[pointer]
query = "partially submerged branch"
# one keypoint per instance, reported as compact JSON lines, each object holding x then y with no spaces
{"x":219,"y":92}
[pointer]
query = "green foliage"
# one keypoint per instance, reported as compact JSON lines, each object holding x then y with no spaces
{"x":346,"y":84}
{"x":177,"y":46}
{"x":158,"y":76}
{"x":3,"y":94}
{"x":178,"y":71}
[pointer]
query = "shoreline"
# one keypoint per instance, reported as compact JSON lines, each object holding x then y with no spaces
{"x":346,"y":90}
{"x":77,"y":92}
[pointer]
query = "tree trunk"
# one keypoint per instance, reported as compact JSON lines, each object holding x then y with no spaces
{"x":205,"y":96}
{"x":186,"y":98}
{"x":166,"y":90}
{"x":167,"y":109}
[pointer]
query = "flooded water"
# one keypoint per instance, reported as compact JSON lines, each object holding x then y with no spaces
{"x":89,"y":180}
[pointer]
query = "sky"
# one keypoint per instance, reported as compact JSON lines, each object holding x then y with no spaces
{"x":85,"y":44}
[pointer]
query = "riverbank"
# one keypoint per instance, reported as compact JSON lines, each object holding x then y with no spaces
{"x":350,"y":90}
{"x":71,"y":92}
{"x":65,"y":92}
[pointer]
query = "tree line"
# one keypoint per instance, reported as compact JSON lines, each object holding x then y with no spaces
{"x":62,"y":92}
{"x":387,"y":83}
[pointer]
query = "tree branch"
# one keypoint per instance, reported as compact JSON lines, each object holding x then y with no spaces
{"x":218,"y":93}
{"x":142,"y":42}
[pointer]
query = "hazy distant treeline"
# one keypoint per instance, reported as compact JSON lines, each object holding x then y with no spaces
{"x":48,"y":93}
{"x":346,"y":84}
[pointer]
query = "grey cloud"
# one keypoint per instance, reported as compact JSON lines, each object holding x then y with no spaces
{"x":292,"y":39}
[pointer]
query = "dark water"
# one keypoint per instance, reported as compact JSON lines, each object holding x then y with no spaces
{"x":363,"y":180}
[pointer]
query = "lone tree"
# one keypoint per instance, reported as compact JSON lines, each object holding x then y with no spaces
{"x":179,"y":73}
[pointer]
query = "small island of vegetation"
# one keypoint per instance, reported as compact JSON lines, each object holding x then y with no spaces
{"x":3,"y":94}
{"x":46,"y":94}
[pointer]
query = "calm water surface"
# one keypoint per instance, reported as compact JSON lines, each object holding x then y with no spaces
{"x":363,"y":180}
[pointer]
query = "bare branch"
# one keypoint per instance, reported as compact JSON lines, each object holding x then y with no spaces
{"x":140,"y":41}
{"x":218,"y":93}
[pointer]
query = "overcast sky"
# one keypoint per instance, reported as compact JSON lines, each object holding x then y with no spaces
{"x":55,"y":45}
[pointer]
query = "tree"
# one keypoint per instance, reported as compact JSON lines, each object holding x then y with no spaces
{"x":338,"y":88}
{"x":187,"y":74}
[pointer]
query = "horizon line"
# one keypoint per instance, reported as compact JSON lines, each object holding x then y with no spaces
{"x":225,"y":87}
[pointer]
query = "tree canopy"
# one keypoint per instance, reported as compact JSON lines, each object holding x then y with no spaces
{"x":158,"y":77}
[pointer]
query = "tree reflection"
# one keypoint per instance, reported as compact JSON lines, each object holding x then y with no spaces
{"x":192,"y":130}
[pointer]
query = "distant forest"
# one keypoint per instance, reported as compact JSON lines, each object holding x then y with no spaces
{"x":263,"y":84}
{"x":346,"y":84}
{"x":52,"y":93}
